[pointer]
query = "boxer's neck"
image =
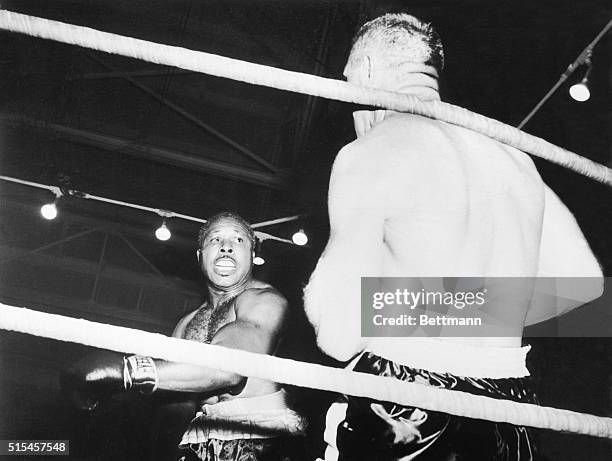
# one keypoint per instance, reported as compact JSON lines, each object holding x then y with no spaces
{"x":423,"y":85}
{"x":419,"y":84}
{"x":218,"y":295}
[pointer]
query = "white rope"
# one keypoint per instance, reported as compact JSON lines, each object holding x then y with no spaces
{"x":302,"y":374}
{"x":301,"y":83}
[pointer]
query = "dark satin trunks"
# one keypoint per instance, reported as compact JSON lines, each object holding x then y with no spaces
{"x":379,"y":431}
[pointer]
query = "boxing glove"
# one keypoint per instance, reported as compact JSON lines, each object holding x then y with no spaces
{"x":104,"y":373}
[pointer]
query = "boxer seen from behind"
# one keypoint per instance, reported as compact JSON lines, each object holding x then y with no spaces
{"x":416,"y":197}
{"x":239,"y":418}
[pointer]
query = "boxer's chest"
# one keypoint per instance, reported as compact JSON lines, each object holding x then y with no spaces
{"x":207,"y":321}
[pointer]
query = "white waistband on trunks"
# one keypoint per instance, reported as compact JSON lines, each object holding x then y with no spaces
{"x":453,"y":357}
{"x":259,"y":417}
{"x":279,"y":400}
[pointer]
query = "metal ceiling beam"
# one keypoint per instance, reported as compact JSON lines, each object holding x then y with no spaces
{"x":87,"y":267}
{"x":159,"y":154}
{"x":249,"y":105}
{"x":192,"y":118}
{"x":256,"y":108}
{"x":47,"y":246}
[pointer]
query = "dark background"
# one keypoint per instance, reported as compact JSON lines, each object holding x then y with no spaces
{"x":141,"y":133}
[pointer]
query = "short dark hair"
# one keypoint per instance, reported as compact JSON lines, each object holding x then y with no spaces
{"x":400,"y":30}
{"x":225,"y":215}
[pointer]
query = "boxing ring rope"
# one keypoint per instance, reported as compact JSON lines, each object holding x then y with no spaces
{"x":297,"y":373}
{"x":301,"y":83}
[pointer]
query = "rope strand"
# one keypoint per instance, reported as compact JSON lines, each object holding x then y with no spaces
{"x":297,"y":373}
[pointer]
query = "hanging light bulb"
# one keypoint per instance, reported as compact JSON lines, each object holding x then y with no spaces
{"x":580,"y":91}
{"x":258,"y":259}
{"x":300,"y":238}
{"x":162,"y":232}
{"x":49,"y":211}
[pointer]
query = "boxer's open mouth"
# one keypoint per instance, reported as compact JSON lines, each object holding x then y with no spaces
{"x":225,"y":262}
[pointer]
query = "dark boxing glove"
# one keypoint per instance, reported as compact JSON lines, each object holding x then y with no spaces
{"x":104,"y":373}
{"x":88,"y":380}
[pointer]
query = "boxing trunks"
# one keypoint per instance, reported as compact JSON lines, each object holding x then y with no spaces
{"x":245,"y":429}
{"x":369,"y":430}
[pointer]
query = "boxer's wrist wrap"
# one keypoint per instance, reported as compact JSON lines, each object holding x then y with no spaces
{"x":140,"y":373}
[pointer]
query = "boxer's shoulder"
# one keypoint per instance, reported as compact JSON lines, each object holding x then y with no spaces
{"x":258,"y":287}
{"x":401,"y":137}
{"x":391,"y":157}
{"x":449,"y":148}
{"x":415,"y":128}
{"x":261,"y":301}
{"x":259,"y":294}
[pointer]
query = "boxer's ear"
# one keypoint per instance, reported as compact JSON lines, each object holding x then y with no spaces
{"x":365,"y":67}
{"x":368,"y":67}
{"x":360,"y":70}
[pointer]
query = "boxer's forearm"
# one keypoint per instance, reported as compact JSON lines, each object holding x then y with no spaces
{"x":357,"y":192}
{"x":332,"y":304}
{"x":569,"y":274}
{"x":564,"y":250}
{"x":183,"y":377}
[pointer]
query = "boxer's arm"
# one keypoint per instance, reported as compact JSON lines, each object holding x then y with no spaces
{"x":358,"y":193}
{"x":191,"y":374}
{"x":260,"y":317}
{"x":568,"y":272}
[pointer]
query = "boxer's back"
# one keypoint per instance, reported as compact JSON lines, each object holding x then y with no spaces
{"x":461,"y":205}
{"x":464,"y":205}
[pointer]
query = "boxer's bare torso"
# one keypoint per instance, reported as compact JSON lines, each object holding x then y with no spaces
{"x":204,"y":323}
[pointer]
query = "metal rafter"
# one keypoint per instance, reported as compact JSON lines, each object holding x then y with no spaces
{"x":250,"y":106}
{"x":192,"y":118}
{"x":149,"y":152}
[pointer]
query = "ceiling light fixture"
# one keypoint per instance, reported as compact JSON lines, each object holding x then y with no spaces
{"x":163,"y":213}
{"x":300,"y":238}
{"x":580,"y":91}
{"x":583,"y":58}
{"x":49,"y":211}
{"x":162,"y":232}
